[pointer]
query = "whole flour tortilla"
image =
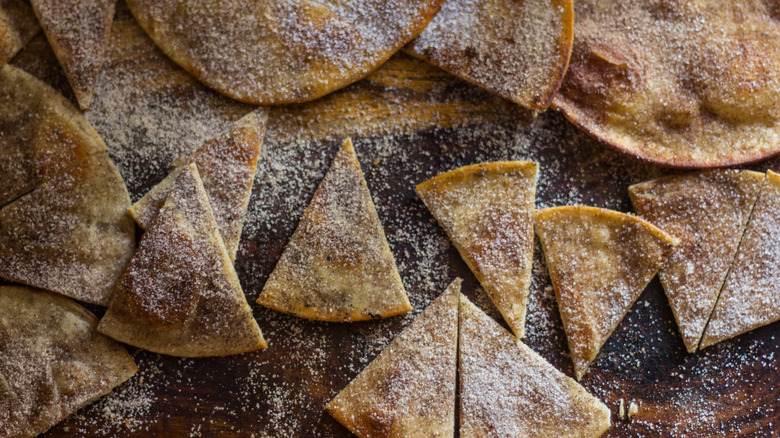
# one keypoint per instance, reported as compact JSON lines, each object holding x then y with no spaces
{"x":409,"y":389}
{"x":281,"y":51}
{"x":600,"y":261}
{"x":507,"y":390}
{"x":487,"y":211}
{"x":53,"y":361}
{"x":17,"y":27}
{"x":338,"y":265}
{"x":751,"y":293}
{"x":180,"y":294}
{"x":680,"y":83}
{"x":78,"y":32}
{"x":708,"y":211}
{"x":516,"y":48}
{"x":227,"y":165}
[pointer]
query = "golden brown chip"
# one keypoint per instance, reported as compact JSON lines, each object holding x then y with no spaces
{"x":72,"y":234}
{"x":409,"y":389}
{"x":486,"y":210}
{"x":518,"y":49}
{"x":281,"y":51}
{"x":684,"y":84}
{"x":708,"y":212}
{"x":338,"y":265}
{"x":41,"y":134}
{"x":53,"y":361}
{"x":507,"y":389}
{"x":17,"y":27}
{"x":78,"y":32}
{"x":180,"y":294}
{"x":227,"y":165}
{"x":600,"y":261}
{"x":751,"y":293}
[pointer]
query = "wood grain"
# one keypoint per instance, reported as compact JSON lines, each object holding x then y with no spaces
{"x":409,"y":122}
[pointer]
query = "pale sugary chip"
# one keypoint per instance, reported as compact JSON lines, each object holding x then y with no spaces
{"x":78,"y":32}
{"x":338,"y":265}
{"x":72,"y":234}
{"x":17,"y":26}
{"x":508,"y":390}
{"x":751,"y":293}
{"x":409,"y":389}
{"x":54,"y":361}
{"x":518,"y":49}
{"x":685,"y":84}
{"x":41,"y":134}
{"x":281,"y":51}
{"x":227,"y":165}
{"x":487,"y":211}
{"x":180,"y":294}
{"x":599,"y":261}
{"x":708,"y":211}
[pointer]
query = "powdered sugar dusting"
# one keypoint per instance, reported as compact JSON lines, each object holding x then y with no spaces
{"x":410,"y":122}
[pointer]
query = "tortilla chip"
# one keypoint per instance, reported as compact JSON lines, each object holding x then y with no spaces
{"x":507,"y":389}
{"x":409,"y":389}
{"x":684,"y":84}
{"x":227,"y":165}
{"x":41,"y":134}
{"x":78,"y":32}
{"x":600,"y":261}
{"x":180,"y":295}
{"x":486,"y":210}
{"x":708,"y":211}
{"x":71,"y":235}
{"x":53,"y":361}
{"x":17,"y":27}
{"x":338,"y":265}
{"x":517,"y":49}
{"x":751,"y":293}
{"x":288,"y":51}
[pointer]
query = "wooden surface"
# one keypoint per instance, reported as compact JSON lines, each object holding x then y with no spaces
{"x":409,"y":122}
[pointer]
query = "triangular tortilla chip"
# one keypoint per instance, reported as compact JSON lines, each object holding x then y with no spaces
{"x":78,"y":32}
{"x":227,"y":165}
{"x":41,"y":134}
{"x":518,"y":49}
{"x":509,"y":390}
{"x":180,"y":294}
{"x":338,"y":265}
{"x":53,"y":361}
{"x":409,"y":389}
{"x":751,"y":293}
{"x":17,"y":26}
{"x":708,"y":212}
{"x":486,"y":209}
{"x":71,"y":235}
{"x":600,"y":261}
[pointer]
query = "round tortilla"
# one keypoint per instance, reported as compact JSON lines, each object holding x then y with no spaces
{"x":683,"y":84}
{"x":281,"y":51}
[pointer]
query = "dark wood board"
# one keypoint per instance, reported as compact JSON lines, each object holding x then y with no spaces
{"x":409,"y":122}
